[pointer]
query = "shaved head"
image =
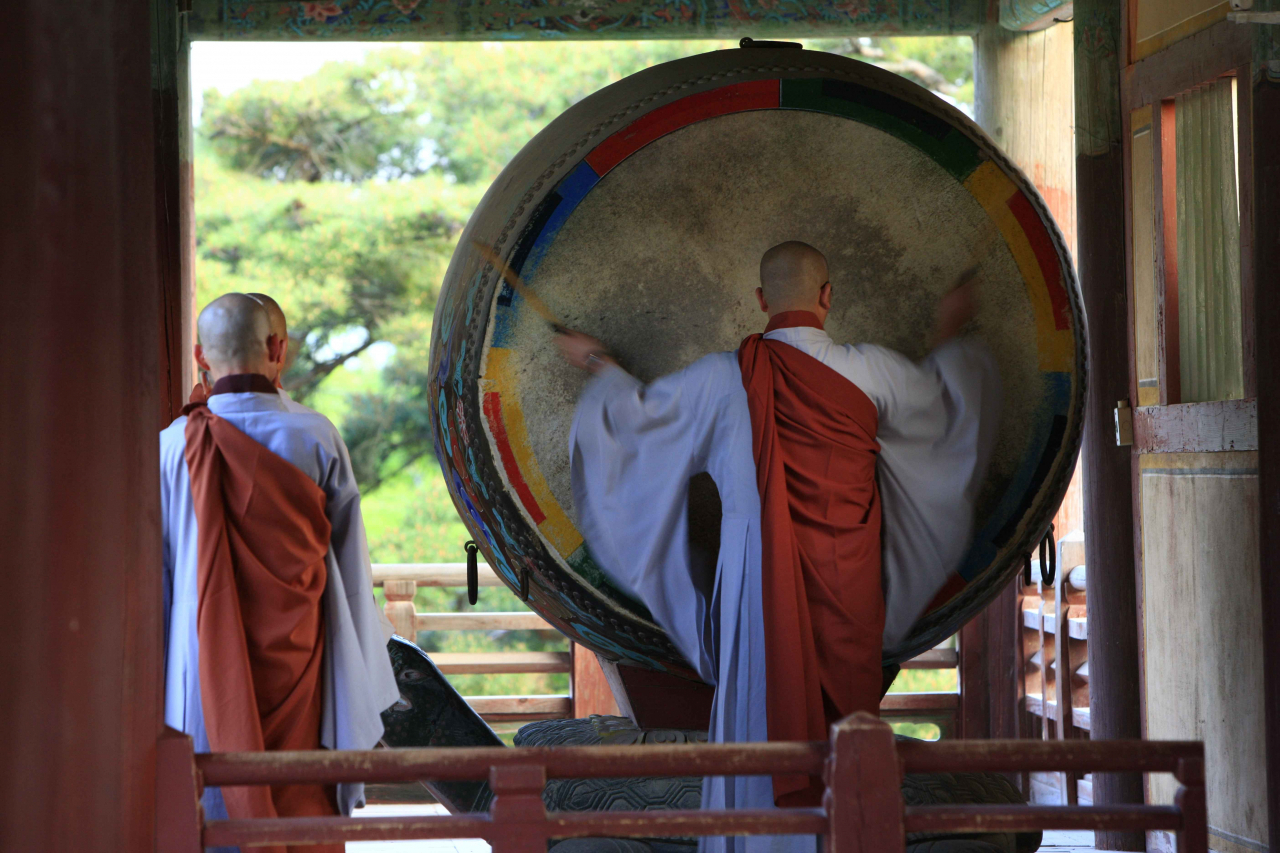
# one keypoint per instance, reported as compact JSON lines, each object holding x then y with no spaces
{"x":233,"y":335}
{"x":791,"y":276}
{"x":279,"y":326}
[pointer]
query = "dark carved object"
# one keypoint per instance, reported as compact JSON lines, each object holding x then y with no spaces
{"x":431,"y":713}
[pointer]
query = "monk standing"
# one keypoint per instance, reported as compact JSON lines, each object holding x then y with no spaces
{"x":273,"y":639}
{"x":816,"y":449}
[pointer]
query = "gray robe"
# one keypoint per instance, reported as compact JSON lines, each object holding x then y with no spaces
{"x":634,"y":448}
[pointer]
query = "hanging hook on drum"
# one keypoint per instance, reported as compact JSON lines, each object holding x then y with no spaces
{"x":473,"y":572}
{"x":1048,"y":575}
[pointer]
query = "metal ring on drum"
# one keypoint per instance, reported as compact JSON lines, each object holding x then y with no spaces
{"x":639,"y":216}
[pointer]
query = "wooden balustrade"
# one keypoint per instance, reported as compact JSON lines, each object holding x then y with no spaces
{"x":400,"y":581}
{"x":862,"y":766}
{"x":1054,"y":666}
{"x":588,"y":693}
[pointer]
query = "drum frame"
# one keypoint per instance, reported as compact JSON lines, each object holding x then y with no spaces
{"x":472,"y":437}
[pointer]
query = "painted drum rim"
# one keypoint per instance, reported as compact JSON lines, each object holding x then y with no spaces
{"x":533,"y":562}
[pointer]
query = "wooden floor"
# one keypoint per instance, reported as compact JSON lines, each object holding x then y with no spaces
{"x":451,"y":845}
{"x":1054,"y":842}
{"x":1064,"y":841}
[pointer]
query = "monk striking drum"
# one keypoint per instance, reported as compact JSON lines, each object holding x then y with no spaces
{"x":815,"y":448}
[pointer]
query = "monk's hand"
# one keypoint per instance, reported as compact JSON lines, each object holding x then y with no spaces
{"x":958,"y":307}
{"x":583,"y":351}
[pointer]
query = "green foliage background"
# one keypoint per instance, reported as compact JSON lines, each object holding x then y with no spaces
{"x":343,"y":194}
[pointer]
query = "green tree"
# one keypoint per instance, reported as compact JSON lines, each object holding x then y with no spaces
{"x":343,"y":195}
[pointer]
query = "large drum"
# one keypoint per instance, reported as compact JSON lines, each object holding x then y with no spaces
{"x":640,"y":215}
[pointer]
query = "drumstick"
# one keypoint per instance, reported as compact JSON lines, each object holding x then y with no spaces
{"x":519,"y":286}
{"x":975,"y":259}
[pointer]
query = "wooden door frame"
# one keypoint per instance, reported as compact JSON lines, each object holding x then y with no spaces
{"x":1224,"y":49}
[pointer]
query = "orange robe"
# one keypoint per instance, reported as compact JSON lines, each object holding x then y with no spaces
{"x":814,"y":440}
{"x":263,"y":538}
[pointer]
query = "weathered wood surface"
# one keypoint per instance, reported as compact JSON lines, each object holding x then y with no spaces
{"x":432,"y":574}
{"x":1217,"y":426}
{"x":863,"y":800}
{"x":1203,"y":625}
{"x":494,"y":662}
{"x":1032,"y":818}
{"x":1081,"y":755}
{"x":558,"y":825}
{"x":482,"y":621}
{"x":177,"y":795}
{"x":461,"y":763}
{"x":1265,"y":101}
{"x":81,"y":380}
{"x":933,"y":659}
{"x":900,"y":702}
{"x":1108,"y":499}
{"x":863,"y":810}
{"x":589,"y":686}
{"x":513,"y":708}
{"x":1187,"y":63}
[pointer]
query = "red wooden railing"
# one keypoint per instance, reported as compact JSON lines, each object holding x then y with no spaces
{"x":862,"y":766}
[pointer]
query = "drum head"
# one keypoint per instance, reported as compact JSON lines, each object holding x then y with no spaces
{"x":640,"y":215}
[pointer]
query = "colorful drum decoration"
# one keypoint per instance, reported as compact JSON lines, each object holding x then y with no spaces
{"x":640,"y":215}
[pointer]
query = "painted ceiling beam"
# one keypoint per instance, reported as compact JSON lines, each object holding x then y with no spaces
{"x":494,"y":20}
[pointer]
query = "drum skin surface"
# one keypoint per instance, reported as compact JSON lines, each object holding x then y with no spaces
{"x":639,"y":216}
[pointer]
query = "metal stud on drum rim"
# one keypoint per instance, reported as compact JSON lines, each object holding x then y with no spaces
{"x":502,"y":403}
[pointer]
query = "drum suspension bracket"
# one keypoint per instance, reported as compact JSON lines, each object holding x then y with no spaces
{"x":1048,"y":561}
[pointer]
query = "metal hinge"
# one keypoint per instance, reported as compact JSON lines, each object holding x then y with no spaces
{"x":1124,"y":424}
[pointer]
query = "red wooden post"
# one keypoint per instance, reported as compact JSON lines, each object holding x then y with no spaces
{"x":864,"y":788}
{"x":178,"y":818}
{"x":517,"y":808}
{"x":589,"y":687}
{"x":1190,"y":800}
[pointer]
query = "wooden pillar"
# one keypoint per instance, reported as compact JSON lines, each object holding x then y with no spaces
{"x":590,"y":688}
{"x":400,"y":609}
{"x":1024,"y":101}
{"x":80,"y":635}
{"x":1266,"y":255}
{"x":1114,"y":706}
{"x":164,"y":108}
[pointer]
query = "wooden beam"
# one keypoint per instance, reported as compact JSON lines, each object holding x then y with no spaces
{"x":166,"y":45}
{"x":1196,"y":427}
{"x":1187,"y":63}
{"x":934,"y":659}
{"x":443,"y":20}
{"x":520,"y":708}
{"x":1108,"y":494}
{"x":432,"y":574}
{"x":903,"y":702}
{"x":514,"y":621}
{"x":459,"y":663}
{"x":1265,"y":107}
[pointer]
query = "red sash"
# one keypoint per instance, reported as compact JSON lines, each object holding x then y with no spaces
{"x":813,"y":435}
{"x":263,"y":537}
